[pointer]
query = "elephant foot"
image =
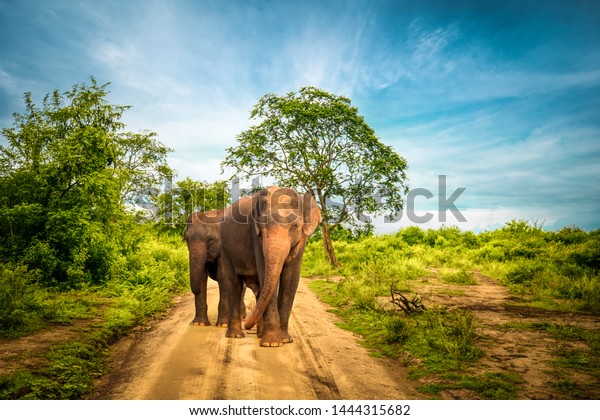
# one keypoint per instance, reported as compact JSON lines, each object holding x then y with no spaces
{"x":200,"y":322}
{"x":271,"y":339}
{"x":234,"y":333}
{"x":286,"y":338}
{"x":221,"y":324}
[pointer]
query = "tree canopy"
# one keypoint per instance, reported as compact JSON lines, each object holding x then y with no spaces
{"x":315,"y":141}
{"x":65,"y":172}
{"x":174,"y":205}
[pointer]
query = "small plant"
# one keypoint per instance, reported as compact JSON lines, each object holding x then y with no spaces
{"x":397,"y":330}
{"x":461,"y":277}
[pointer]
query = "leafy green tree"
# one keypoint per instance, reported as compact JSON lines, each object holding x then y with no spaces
{"x":316,"y":141}
{"x":65,"y":170}
{"x":173,"y":206}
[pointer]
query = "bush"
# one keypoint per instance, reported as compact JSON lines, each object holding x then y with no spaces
{"x":586,"y":254}
{"x":524,"y":272}
{"x":397,"y":330}
{"x":17,"y":296}
{"x":412,"y":235}
{"x":462,"y":277}
{"x":446,"y":337}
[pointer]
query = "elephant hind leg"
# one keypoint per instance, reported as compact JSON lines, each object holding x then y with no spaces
{"x":234,"y":326}
{"x":223,"y":315}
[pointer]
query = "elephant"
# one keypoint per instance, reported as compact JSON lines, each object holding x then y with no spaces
{"x":202,"y":234}
{"x":263,"y":237}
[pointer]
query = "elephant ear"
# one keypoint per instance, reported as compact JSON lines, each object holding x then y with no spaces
{"x":214,"y":248}
{"x":311,"y":214}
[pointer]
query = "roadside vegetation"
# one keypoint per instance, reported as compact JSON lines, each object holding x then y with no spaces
{"x":79,"y":264}
{"x":141,"y":285}
{"x":552,"y":271}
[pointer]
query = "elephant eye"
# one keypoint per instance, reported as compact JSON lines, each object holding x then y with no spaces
{"x":293,"y":225}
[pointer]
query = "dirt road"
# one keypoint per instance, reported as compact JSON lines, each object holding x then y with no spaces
{"x":174,"y":360}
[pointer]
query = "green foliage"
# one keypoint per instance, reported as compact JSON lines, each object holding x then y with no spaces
{"x":17,"y":297}
{"x":142,"y":282}
{"x":70,"y":250}
{"x":174,"y":206}
{"x":493,"y":385}
{"x":68,"y":373}
{"x":397,"y":330}
{"x":446,"y":339}
{"x":559,"y":268}
{"x":555,"y":270}
{"x":489,"y":385}
{"x":462,"y":276}
{"x":65,"y":171}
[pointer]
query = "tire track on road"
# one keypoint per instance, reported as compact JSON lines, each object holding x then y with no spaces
{"x":175,"y":360}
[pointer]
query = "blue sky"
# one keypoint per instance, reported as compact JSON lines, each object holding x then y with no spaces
{"x":501,"y":97}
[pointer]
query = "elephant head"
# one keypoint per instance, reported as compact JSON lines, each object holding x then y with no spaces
{"x":282,"y":219}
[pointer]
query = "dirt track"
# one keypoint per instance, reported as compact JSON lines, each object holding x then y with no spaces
{"x":173,"y":360}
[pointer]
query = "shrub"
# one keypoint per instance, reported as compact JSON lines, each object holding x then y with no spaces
{"x":17,"y":296}
{"x":397,"y":330}
{"x":445,"y":339}
{"x":462,"y":276}
{"x":586,"y":254}
{"x":412,"y":235}
{"x":524,"y":272}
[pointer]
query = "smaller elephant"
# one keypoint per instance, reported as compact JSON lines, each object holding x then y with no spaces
{"x":203,"y":238}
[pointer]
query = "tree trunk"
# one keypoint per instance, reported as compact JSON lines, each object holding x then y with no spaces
{"x":329,"y":245}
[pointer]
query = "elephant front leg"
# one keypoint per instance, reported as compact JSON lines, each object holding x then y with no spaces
{"x":234,"y":326}
{"x":290,"y":277}
{"x":198,"y":280}
{"x":201,"y":316}
{"x":270,"y":331}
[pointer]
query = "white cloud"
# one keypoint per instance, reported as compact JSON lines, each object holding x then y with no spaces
{"x":8,"y":83}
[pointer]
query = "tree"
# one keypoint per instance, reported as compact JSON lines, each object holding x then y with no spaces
{"x":173,"y":206}
{"x":316,"y":141}
{"x":64,"y":172}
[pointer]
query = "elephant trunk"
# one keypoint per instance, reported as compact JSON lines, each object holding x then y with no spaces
{"x":198,"y":259}
{"x":275,"y":255}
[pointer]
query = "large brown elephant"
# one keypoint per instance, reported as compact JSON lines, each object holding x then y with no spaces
{"x":263,"y":237}
{"x":203,"y":238}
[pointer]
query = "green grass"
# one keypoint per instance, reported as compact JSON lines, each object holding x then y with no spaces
{"x":489,"y":385}
{"x":443,"y":340}
{"x":140,"y":285}
{"x":460,"y":277}
{"x":555,"y":268}
{"x":557,"y":271}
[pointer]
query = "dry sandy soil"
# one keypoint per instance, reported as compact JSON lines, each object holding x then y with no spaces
{"x":174,"y":360}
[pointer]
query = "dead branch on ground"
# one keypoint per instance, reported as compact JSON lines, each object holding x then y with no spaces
{"x":404,"y":304}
